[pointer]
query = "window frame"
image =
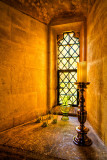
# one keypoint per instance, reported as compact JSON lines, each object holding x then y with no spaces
{"x":66,"y":70}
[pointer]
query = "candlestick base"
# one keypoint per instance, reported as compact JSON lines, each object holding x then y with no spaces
{"x":81,"y":139}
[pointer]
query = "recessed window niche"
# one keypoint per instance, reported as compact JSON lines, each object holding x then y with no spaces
{"x":79,"y":28}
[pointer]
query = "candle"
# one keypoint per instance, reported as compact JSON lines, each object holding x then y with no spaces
{"x":82,"y":71}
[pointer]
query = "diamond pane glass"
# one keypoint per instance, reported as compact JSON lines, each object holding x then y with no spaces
{"x":68,"y":56}
{"x":67,"y":87}
{"x":68,"y":49}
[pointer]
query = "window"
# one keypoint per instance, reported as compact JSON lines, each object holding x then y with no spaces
{"x":68,"y":56}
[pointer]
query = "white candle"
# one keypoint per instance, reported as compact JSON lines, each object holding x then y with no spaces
{"x":82,"y":71}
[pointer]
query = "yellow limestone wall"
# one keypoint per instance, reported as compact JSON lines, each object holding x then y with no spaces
{"x":23,"y":67}
{"x":97,"y":68}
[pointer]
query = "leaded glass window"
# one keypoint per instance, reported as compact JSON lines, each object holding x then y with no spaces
{"x":68,"y":56}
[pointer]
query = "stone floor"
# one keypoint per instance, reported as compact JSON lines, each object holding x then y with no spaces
{"x":31,"y":141}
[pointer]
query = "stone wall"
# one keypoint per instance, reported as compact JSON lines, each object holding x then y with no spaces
{"x":23,"y":67}
{"x":97,"y":68}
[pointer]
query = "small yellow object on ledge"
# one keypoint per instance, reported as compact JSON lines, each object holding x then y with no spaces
{"x":82,"y":71}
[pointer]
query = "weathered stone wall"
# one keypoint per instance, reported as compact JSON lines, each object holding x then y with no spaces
{"x":23,"y":67}
{"x":97,"y":68}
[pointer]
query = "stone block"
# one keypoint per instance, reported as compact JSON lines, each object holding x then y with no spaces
{"x":19,"y":20}
{"x":6,"y":123}
{"x":5,"y":50}
{"x":24,"y":118}
{"x":5,"y":80}
{"x":5,"y":22}
{"x":17,"y":54}
{"x":5,"y":33}
{"x":4,"y":12}
{"x":17,"y":109}
{"x":36,"y":57}
{"x":40,"y":79}
{"x":18,"y":35}
{"x":33,"y":26}
{"x":28,"y":80}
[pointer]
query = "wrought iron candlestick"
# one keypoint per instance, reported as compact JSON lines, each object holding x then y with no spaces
{"x":81,"y":138}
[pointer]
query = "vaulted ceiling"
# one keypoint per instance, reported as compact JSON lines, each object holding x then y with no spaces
{"x":46,"y":10}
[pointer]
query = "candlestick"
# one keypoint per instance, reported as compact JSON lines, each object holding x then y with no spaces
{"x":81,"y":138}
